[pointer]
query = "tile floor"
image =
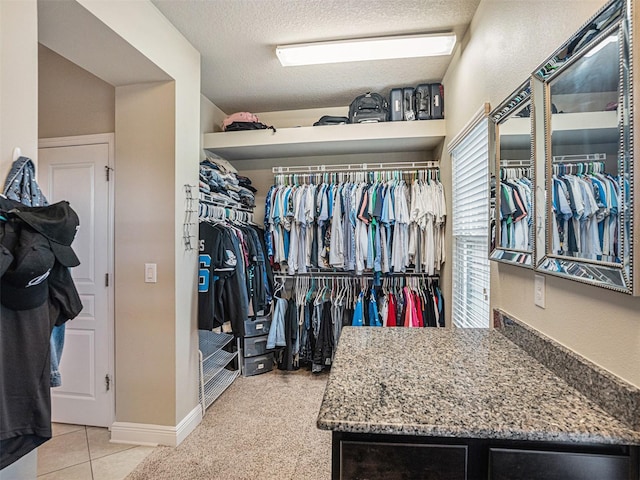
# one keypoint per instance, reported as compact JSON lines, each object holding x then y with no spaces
{"x":77,"y":452}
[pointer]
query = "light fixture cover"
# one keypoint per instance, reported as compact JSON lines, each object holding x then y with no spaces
{"x":601,"y":45}
{"x":381,"y":48}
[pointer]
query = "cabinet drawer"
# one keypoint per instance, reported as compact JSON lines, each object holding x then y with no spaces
{"x":255,"y":346}
{"x":508,"y":464}
{"x":257,"y":365}
{"x":382,"y":461}
{"x":256,"y":327}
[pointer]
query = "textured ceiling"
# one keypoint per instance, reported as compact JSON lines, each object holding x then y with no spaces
{"x":237,"y":40}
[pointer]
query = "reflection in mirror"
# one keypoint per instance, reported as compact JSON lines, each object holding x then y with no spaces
{"x":610,"y":14}
{"x":512,"y":190}
{"x":585,"y":90}
{"x":585,"y":134}
{"x":591,"y":273}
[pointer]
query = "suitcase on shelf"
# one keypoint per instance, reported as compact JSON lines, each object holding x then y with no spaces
{"x":423,"y":101}
{"x":409,"y":97}
{"x":396,"y":105}
{"x":437,"y":101}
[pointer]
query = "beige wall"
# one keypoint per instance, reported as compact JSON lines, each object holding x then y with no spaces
{"x":71,"y":101}
{"x":507,"y":41}
{"x":165,"y":47}
{"x":74,"y":102}
{"x":211,"y":117}
{"x":156,"y":51}
{"x":18,"y":82}
{"x":144,"y":212}
{"x":18,"y":121}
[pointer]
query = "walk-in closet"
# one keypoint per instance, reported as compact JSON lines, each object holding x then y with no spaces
{"x":261,"y":263}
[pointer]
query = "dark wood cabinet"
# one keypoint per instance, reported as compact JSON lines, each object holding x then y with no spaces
{"x":507,"y":464}
{"x":382,"y":461}
{"x":360,"y":456}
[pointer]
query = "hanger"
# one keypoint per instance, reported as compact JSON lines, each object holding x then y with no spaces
{"x":278,"y":286}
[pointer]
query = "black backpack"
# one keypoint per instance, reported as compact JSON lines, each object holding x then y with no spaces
{"x":370,"y":107}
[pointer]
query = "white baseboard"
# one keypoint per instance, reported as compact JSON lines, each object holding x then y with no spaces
{"x":153,"y":435}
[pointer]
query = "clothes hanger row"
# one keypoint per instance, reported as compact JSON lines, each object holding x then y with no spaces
{"x":345,"y":290}
{"x":430,"y":174}
{"x":367,"y":275}
{"x":513,"y":173}
{"x":220,"y":213}
{"x":579,"y":168}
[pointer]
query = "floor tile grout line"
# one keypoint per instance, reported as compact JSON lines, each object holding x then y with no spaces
{"x":129,"y":447}
{"x":86,"y":432}
{"x":63,"y":468}
{"x":65,"y":433}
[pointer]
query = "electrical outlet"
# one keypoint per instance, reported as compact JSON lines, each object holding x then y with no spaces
{"x":538,"y":292}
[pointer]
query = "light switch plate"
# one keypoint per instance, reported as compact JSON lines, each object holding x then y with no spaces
{"x":150,"y":273}
{"x":538,"y":292}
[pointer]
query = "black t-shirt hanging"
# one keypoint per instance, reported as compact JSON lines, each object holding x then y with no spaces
{"x":213,"y":265}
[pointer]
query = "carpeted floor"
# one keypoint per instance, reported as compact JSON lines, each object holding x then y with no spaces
{"x":261,"y":427}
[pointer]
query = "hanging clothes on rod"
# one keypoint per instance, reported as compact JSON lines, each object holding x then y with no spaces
{"x":381,"y":222}
{"x":306,"y":327}
{"x":586,"y":207}
{"x":235,"y":279}
{"x":516,"y":201}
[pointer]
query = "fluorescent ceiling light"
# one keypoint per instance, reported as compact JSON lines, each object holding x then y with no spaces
{"x":366,"y":49}
{"x":601,"y":45}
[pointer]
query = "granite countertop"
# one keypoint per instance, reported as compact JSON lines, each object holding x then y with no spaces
{"x":467,"y":383}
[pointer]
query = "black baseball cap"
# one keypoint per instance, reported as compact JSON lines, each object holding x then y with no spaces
{"x":24,"y":284}
{"x":58,"y":223}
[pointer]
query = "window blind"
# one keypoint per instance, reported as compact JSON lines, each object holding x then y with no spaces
{"x":470,"y":206}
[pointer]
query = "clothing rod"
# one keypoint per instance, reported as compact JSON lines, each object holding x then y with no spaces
{"x":357,"y":167}
{"x":580,"y":158}
{"x":206,"y":199}
{"x":578,"y":162}
{"x":515,"y":163}
{"x":352,"y":275}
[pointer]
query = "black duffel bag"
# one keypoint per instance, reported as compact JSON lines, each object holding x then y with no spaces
{"x":239,"y":126}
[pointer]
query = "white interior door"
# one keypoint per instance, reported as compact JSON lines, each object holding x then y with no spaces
{"x":76,"y":169}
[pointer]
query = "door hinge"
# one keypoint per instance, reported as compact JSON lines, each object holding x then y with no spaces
{"x":106,"y":279}
{"x":107,"y":381}
{"x":107,"y":170}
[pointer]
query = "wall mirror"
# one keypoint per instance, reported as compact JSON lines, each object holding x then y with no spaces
{"x":587,"y":161}
{"x":512,"y":186}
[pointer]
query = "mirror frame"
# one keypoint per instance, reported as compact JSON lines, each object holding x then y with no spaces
{"x":614,"y":276}
{"x":499,"y":116}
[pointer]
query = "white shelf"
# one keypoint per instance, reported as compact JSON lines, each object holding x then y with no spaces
{"x":386,"y":137}
{"x":567,"y":129}
{"x":215,"y":363}
{"x":214,"y":388}
{"x":586,"y":127}
{"x":214,"y":377}
{"x":211,"y":342}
